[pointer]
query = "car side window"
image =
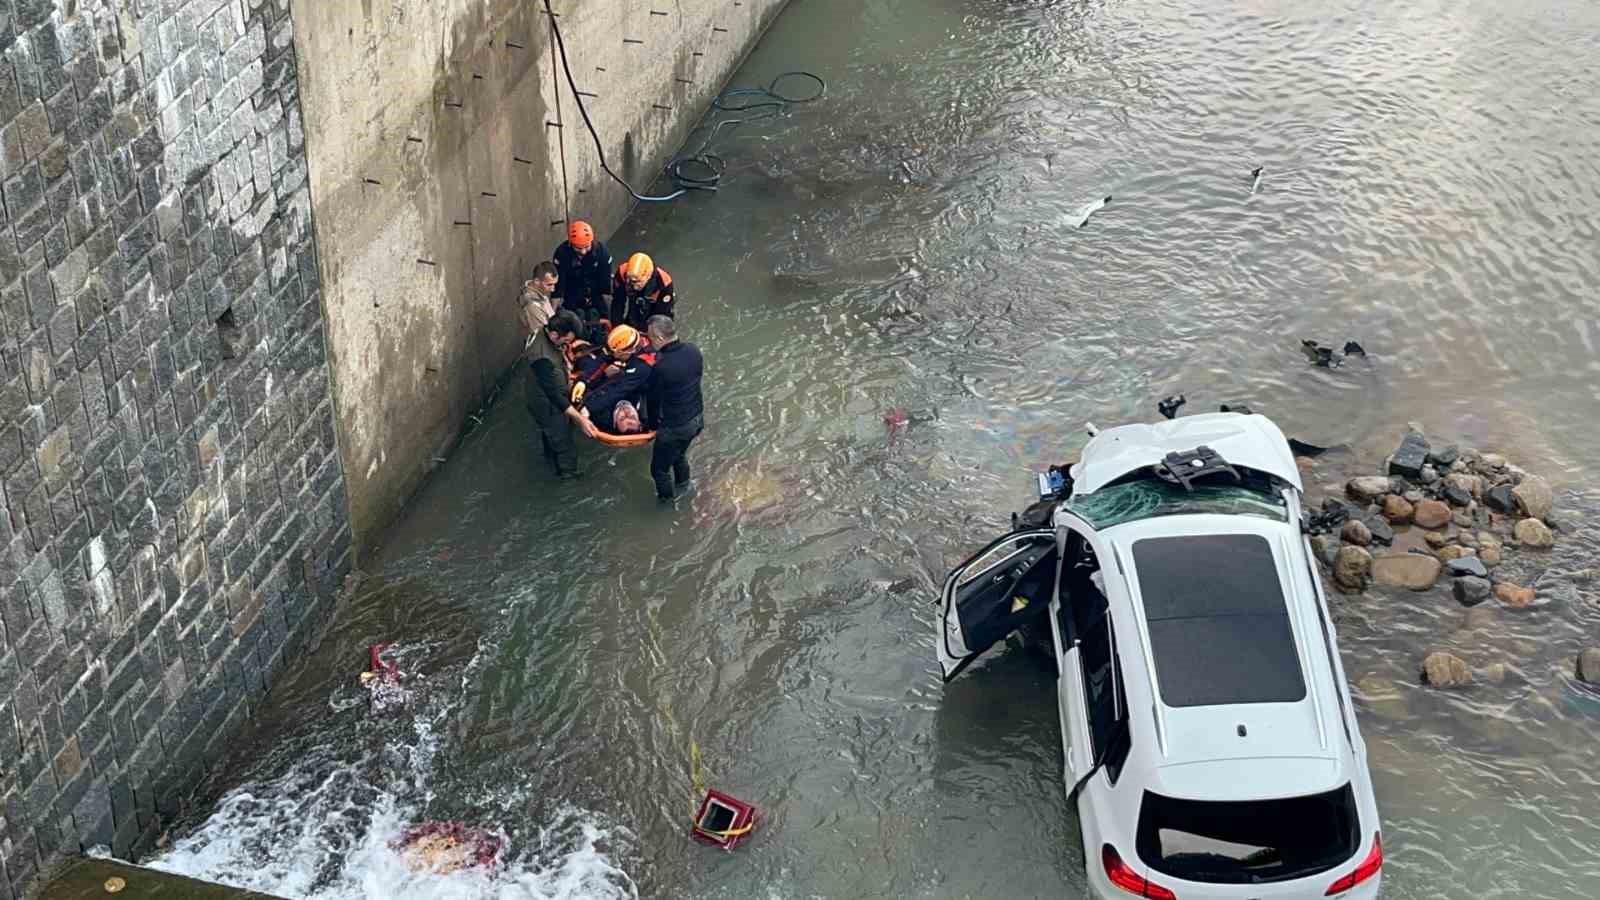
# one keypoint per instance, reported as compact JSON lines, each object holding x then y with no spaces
{"x":1105,"y":700}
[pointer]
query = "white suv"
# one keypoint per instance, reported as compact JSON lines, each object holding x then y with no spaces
{"x":1210,"y":744}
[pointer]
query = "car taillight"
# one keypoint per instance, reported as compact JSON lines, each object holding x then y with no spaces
{"x":1368,"y":868}
{"x":1123,"y":876}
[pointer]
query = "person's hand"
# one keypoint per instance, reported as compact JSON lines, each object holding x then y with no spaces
{"x":588,"y":428}
{"x":613,"y":370}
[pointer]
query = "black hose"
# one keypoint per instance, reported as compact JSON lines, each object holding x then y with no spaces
{"x":711,"y":166}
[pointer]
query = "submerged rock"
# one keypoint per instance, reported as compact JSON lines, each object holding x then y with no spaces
{"x":1534,"y":497}
{"x":1356,"y":532}
{"x":1414,"y":571}
{"x":1470,"y":590}
{"x":1500,"y":499}
{"x":1409,"y":458}
{"x":1533,"y":533}
{"x":1466,"y":566}
{"x":1489,"y":556}
{"x":1351,"y":567}
{"x":1513,"y":595}
{"x":1441,"y":669}
{"x":1588,"y":668}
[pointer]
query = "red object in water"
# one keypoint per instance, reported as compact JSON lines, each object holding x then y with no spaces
{"x":387,"y":669}
{"x":446,"y":847}
{"x":723,"y":821}
{"x":896,"y":418}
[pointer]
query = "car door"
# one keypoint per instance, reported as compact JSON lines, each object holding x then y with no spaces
{"x":1006,"y":584}
{"x":1067,"y":626}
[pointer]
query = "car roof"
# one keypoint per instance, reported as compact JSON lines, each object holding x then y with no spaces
{"x":1252,"y":441}
{"x":1187,"y":737}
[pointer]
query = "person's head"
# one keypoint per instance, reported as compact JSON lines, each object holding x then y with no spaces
{"x":637,"y":270}
{"x":662,"y":329}
{"x":580,"y":236}
{"x":623,"y":342}
{"x":563,"y":328}
{"x":625,"y":418}
{"x":545,"y":277}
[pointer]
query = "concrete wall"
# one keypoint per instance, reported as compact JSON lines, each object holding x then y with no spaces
{"x":174,"y":514}
{"x":446,"y":156}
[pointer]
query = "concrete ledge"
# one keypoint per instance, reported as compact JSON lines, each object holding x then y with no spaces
{"x":83,"y":879}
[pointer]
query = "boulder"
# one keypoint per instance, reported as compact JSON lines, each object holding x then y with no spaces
{"x":1415,"y":571}
{"x":1452,"y":552}
{"x":1588,"y":669}
{"x":1324,"y":548}
{"x":1429,"y":475}
{"x":1441,"y":669}
{"x":1513,"y":595}
{"x":1533,"y":533}
{"x":1409,"y":458}
{"x":1356,"y":532}
{"x":1396,"y":509}
{"x":1470,"y":590}
{"x":1431,"y":514}
{"x":1456,"y":496}
{"x":1444,"y":457}
{"x":1367,"y":488}
{"x":1436,"y":539}
{"x":1534,"y":497}
{"x":1472,"y":484}
{"x":1466,"y":567}
{"x":1490,"y":556}
{"x":1500,"y":499}
{"x":1351,"y":567}
{"x":1381,"y":532}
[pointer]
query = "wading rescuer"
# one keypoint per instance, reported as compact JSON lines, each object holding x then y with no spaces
{"x":634,"y":362}
{"x":584,"y":266}
{"x":673,"y":406}
{"x":538,"y":301}
{"x":548,"y":390}
{"x":640,"y":290}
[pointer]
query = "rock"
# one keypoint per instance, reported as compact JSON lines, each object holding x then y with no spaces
{"x":1465,"y":567}
{"x":1444,"y":457}
{"x":1435,"y":539}
{"x":1461,"y":519}
{"x":1557,"y":521}
{"x":1492,"y":461}
{"x":1534,"y":497}
{"x":1355,"y":532}
{"x":1408,"y":458}
{"x":1500,"y":499}
{"x":1397,"y":510}
{"x":1325,"y":548}
{"x":1453,"y":551}
{"x":1441,"y":669}
{"x":1467,"y":539}
{"x":1588,"y":669}
{"x":1489,"y":539}
{"x":1471,"y":484}
{"x":1455,"y":496}
{"x":1413,"y":496}
{"x":1470,"y":590}
{"x":1381,"y":532}
{"x":1367,"y":488}
{"x":1429,"y":475}
{"x":1489,"y":556}
{"x":1351,"y":567}
{"x":1513,"y":595}
{"x":1494,"y":673}
{"x":1533,"y":533}
{"x":1415,"y":571}
{"x":1431,"y":514}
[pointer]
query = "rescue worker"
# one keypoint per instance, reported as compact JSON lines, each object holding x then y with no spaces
{"x":640,"y":290}
{"x":547,"y":391}
{"x":538,"y":302}
{"x":584,"y":266}
{"x":634,"y":360}
{"x":674,"y":409}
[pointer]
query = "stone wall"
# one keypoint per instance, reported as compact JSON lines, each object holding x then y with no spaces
{"x":446,"y":157}
{"x":174,"y":514}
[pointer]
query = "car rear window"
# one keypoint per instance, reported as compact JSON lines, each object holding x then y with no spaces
{"x":1219,"y":626}
{"x":1251,"y":841}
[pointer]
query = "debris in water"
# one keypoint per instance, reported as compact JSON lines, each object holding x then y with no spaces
{"x":1255,"y":178}
{"x":1327,"y":357}
{"x":1169,"y":406}
{"x":1090,"y":208}
{"x":723,"y":820}
{"x":446,"y":847}
{"x":1242,"y":409}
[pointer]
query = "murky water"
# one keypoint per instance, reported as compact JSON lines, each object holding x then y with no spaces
{"x":1431,"y":189}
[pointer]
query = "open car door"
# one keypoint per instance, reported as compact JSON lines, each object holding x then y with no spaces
{"x":987,"y":597}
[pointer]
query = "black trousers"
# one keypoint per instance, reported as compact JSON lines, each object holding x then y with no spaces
{"x":555,"y":429}
{"x":669,"y":456}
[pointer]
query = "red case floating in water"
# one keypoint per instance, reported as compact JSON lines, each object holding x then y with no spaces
{"x":723,"y":821}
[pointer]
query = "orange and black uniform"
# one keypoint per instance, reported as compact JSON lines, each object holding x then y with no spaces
{"x":630,"y":307}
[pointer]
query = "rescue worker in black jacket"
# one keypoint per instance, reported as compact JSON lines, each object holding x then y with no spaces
{"x":640,"y":290}
{"x":547,"y":391}
{"x":674,"y":409}
{"x":584,"y":265}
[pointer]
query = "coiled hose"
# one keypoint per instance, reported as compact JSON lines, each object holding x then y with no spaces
{"x":701,"y":170}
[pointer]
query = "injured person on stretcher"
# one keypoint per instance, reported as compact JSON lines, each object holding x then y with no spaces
{"x":608,"y":396}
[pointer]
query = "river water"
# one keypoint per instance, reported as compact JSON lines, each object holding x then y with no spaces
{"x":590,"y":661}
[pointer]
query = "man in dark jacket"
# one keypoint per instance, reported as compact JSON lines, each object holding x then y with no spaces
{"x":674,"y":408}
{"x":547,"y":390}
{"x":584,"y":267}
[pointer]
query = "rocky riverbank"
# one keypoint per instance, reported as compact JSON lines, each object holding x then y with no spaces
{"x":1443,"y":519}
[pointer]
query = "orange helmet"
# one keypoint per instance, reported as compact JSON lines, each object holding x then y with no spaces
{"x":638,"y":266}
{"x":580,"y":235}
{"x":623,"y":339}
